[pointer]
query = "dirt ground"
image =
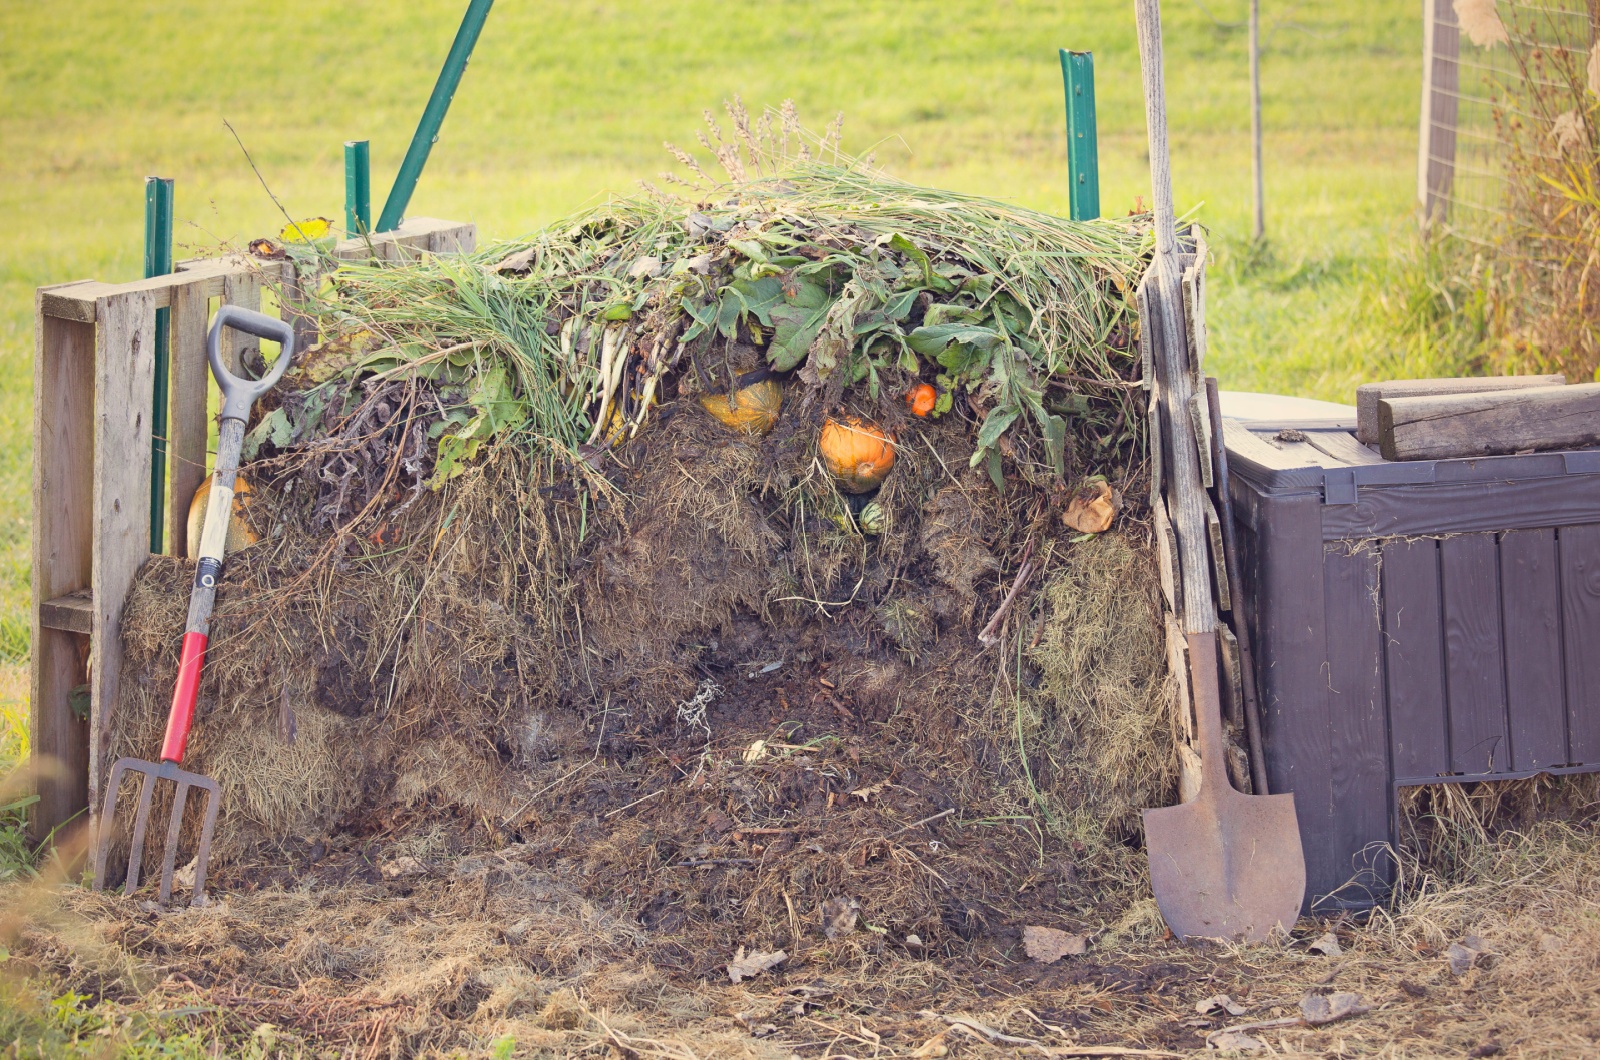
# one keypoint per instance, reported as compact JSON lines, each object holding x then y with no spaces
{"x":396,"y":947}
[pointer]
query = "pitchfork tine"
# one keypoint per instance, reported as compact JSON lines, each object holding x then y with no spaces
{"x":141,"y":818}
{"x":108,"y":820}
{"x":169,"y":861}
{"x":204,"y":852}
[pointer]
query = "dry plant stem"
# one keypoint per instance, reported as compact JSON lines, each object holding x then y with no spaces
{"x":990,"y":636}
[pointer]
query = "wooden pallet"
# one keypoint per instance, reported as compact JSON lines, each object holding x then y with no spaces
{"x":93,"y":379}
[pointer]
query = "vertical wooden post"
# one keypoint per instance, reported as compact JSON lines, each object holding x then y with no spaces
{"x":124,"y":372}
{"x":63,"y":529}
{"x":191,"y":311}
{"x":1441,"y":80}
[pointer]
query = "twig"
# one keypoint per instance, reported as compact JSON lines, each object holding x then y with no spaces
{"x":919,"y":824}
{"x":635,"y":802}
{"x":292,"y":222}
{"x":991,"y":633}
{"x":712,"y":861}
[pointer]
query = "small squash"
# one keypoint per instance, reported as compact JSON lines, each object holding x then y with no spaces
{"x":857,"y":453}
{"x":751,"y":410}
{"x":874,"y":519}
{"x":922,"y":398}
{"x":239,"y":532}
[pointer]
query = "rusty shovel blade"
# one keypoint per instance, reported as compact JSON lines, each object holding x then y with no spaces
{"x":183,"y":782}
{"x":1227,"y":865}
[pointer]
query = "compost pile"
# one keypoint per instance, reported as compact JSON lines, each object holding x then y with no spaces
{"x":765,"y":563}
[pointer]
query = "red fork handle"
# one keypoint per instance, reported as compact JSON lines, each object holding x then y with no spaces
{"x":183,"y":698}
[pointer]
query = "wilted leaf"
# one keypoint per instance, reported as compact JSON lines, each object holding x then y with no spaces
{"x":1234,"y":1041}
{"x":1090,"y":511}
{"x":1048,"y":945}
{"x":839,"y":916}
{"x":1327,"y":945}
{"x":517,"y":262}
{"x":745,"y":966}
{"x":1219,"y":1003}
{"x":1318,"y":1009}
{"x":310,"y":230}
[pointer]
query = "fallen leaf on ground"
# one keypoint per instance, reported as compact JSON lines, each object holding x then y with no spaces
{"x":1234,"y":1041}
{"x":839,"y":916}
{"x":749,"y":966}
{"x":1327,"y":945}
{"x":1219,"y":1003}
{"x":1317,"y":1009}
{"x":404,"y":865}
{"x":1487,"y":1049}
{"x":1090,"y":511}
{"x":1049,"y":945}
{"x":1464,"y":954}
{"x":869,"y":792}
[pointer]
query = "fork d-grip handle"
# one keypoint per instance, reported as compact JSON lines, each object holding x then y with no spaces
{"x":237,"y":397}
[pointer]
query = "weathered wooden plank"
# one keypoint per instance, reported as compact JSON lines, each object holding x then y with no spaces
{"x":1414,"y":650}
{"x":1530,"y":593}
{"x":1232,"y":676}
{"x":1291,"y":624}
{"x":1580,"y":628}
{"x":1502,"y":421}
{"x":1219,"y":557}
{"x":1166,"y":556}
{"x":1469,"y":585}
{"x":1369,"y":394}
{"x":1441,"y":79}
{"x":1358,"y":736}
{"x":1342,"y":447}
{"x":1245,"y":444}
{"x":414,"y":236}
{"x":1200,"y":421}
{"x":243,"y":290}
{"x":188,"y":419}
{"x":124,"y":372}
{"x":63,"y":527}
{"x":1147,"y":363}
{"x":72,"y":613}
{"x":78,"y":301}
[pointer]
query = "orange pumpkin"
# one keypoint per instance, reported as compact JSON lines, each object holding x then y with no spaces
{"x":751,"y":410}
{"x":922,"y":398}
{"x":858,"y":454}
{"x":239,"y":532}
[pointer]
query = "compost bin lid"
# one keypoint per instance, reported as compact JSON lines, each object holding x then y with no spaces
{"x":1282,"y":444}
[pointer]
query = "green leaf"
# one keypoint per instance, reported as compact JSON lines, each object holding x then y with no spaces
{"x":931,"y":341}
{"x":795,"y":328}
{"x":997,"y":473}
{"x":807,"y":293}
{"x":618,"y":312}
{"x":899,"y":306}
{"x":995,"y":424}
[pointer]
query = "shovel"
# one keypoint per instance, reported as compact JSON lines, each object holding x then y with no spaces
{"x":237,"y":397}
{"x":1226,"y":865}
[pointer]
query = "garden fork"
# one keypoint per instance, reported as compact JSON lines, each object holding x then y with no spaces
{"x":237,"y":397}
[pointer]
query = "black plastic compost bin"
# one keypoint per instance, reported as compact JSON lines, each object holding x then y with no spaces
{"x":1417,"y":622}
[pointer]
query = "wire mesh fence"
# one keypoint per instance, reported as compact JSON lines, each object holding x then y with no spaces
{"x":1487,"y":66}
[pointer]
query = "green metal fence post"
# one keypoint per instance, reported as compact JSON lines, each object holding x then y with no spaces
{"x":1083,"y":151}
{"x":444,"y":90}
{"x":357,"y":189}
{"x":158,"y":262}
